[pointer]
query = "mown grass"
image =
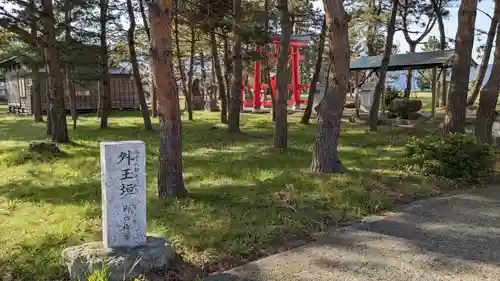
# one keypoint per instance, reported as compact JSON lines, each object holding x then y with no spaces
{"x":244,"y":195}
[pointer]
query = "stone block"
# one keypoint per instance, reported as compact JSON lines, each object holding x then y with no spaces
{"x":130,"y":263}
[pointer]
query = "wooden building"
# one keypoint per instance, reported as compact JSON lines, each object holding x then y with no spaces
{"x":19,"y":87}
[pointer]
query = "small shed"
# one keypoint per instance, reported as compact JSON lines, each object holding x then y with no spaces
{"x":435,"y":60}
{"x":85,"y":79}
{"x":3,"y":92}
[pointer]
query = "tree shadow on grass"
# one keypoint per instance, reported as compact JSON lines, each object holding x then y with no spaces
{"x":453,"y":235}
{"x":28,"y":191}
{"x":21,"y":130}
{"x":37,"y":259}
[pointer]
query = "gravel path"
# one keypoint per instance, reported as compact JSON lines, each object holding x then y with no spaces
{"x":454,"y":237}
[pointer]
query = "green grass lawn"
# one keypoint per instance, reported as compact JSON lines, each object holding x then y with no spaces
{"x":426,"y":98}
{"x":244,"y":195}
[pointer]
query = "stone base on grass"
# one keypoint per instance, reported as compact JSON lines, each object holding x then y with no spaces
{"x":87,"y":258}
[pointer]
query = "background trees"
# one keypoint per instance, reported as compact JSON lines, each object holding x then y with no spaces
{"x":221,"y":35}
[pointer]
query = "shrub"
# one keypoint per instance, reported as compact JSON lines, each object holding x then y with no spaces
{"x":455,"y":156}
{"x":391,"y":94}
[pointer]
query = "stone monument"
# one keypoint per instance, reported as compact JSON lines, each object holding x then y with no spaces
{"x":197,"y":99}
{"x":125,"y":249}
{"x":123,"y":194}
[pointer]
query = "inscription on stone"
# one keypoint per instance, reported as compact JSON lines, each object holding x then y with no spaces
{"x":123,"y":176}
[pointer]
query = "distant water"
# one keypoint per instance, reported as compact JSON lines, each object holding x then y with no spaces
{"x":398,"y":78}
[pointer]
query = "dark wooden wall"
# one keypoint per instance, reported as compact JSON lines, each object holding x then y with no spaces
{"x":123,"y":93}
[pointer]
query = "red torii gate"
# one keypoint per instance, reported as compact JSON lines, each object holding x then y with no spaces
{"x":296,"y":42}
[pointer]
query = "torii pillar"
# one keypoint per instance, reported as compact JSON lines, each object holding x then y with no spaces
{"x":295,"y":76}
{"x":257,"y":83}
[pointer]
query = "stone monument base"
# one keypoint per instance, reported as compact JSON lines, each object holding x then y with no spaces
{"x":87,"y":258}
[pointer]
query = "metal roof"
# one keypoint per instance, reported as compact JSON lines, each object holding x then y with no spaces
{"x":423,"y":60}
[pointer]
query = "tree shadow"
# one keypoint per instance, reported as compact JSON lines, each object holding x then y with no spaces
{"x":37,"y":260}
{"x":74,"y":194}
{"x":453,"y":235}
{"x":245,"y":196}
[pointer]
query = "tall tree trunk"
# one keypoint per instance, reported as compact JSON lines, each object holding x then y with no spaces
{"x":48,"y":130}
{"x":409,"y":75}
{"x":486,"y":56}
{"x":191,"y":70}
{"x":220,"y":79}
{"x":170,"y":179}
{"x":145,"y":19}
{"x":489,"y":97}
{"x":135,"y":67}
{"x":406,"y":11}
{"x":187,"y":93}
{"x":436,"y":6}
{"x":35,"y":74}
{"x":325,"y":154}
{"x":457,"y":106}
{"x":266,"y":60}
{"x":227,"y":70}
{"x":56,"y":80}
{"x":68,"y":69}
{"x":105,"y":95}
{"x":281,"y":134}
{"x":372,"y":30}
{"x":382,"y":71}
{"x":203,"y":75}
{"x":315,"y":78}
{"x":235,"y":100}
{"x":153,"y":97}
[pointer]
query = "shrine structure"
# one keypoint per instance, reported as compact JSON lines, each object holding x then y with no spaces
{"x":256,"y":103}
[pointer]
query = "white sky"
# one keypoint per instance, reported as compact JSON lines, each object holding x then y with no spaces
{"x":482,"y":22}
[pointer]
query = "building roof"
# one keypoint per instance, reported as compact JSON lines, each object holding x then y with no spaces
{"x":295,"y":37}
{"x":9,"y":61}
{"x":423,"y":60}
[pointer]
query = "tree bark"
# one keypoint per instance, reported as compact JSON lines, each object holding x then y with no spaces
{"x":135,"y":67}
{"x":154,"y":99}
{"x":59,"y":130}
{"x":187,"y":93}
{"x":104,"y":101}
{"x":227,"y":70}
{"x":266,"y":61}
{"x":48,"y":130}
{"x":35,"y":75}
{"x":68,"y":69}
{"x":281,"y":133}
{"x":315,"y":78}
{"x":233,"y":125}
{"x":457,"y":106}
{"x":382,"y":71}
{"x":145,"y":19}
{"x":325,"y":154}
{"x":220,"y":79}
{"x":486,"y":56}
{"x":413,"y":42}
{"x":436,"y":6}
{"x":170,"y":179}
{"x":409,"y":75}
{"x":373,"y":28}
{"x":489,"y":96}
{"x":203,"y":74}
